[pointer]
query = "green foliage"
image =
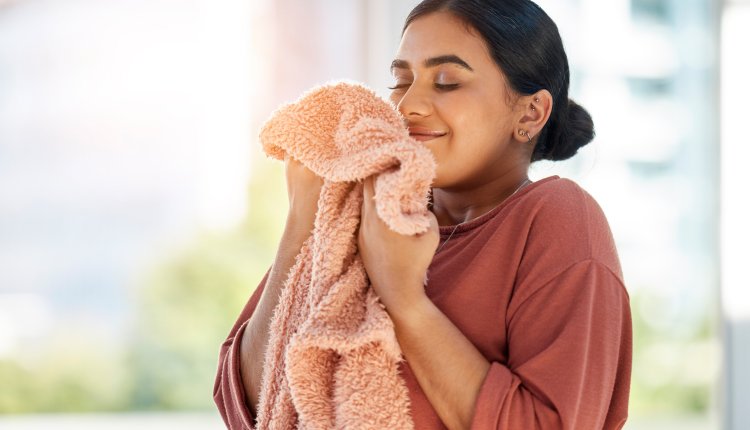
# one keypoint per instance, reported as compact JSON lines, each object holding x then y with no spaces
{"x":676,"y":358}
{"x":187,"y":306}
{"x":184,"y":309}
{"x":70,"y":374}
{"x":185,"y":312}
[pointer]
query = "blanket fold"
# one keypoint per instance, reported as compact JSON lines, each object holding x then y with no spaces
{"x":332,"y":359}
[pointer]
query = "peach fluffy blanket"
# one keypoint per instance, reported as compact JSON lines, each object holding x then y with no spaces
{"x":332,"y":358}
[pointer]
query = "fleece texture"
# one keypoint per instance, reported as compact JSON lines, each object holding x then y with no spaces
{"x":333,"y":358}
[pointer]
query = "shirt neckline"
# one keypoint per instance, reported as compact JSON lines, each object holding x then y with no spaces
{"x":446,"y":230}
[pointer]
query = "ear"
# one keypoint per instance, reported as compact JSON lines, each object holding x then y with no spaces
{"x":534,"y":112}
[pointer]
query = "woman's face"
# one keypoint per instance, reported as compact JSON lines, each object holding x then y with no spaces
{"x":454,"y":99}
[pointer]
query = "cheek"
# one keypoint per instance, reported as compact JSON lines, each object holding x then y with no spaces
{"x":458,"y":111}
{"x":472,"y":117}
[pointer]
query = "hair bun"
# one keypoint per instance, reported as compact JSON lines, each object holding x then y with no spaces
{"x":576,"y":133}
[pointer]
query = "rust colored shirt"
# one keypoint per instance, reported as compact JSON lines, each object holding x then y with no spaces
{"x":536,"y":285}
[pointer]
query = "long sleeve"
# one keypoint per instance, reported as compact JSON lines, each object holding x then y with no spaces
{"x":569,"y":356}
{"x":229,"y":392}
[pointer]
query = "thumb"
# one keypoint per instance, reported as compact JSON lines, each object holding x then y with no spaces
{"x":433,"y":220}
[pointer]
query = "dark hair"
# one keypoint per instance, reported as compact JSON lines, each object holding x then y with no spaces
{"x":526,"y":45}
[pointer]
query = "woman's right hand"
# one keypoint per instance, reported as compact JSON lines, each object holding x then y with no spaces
{"x":303,"y":188}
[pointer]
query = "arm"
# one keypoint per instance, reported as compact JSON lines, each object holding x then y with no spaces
{"x":241,"y":358}
{"x":448,"y":367}
{"x":569,"y":348}
{"x":255,"y":337}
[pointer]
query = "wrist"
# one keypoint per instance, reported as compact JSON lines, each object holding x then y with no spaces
{"x":406,"y":313}
{"x":299,"y":226}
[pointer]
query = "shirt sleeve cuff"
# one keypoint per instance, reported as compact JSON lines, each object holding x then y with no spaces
{"x":492,"y":394}
{"x":235,"y":385}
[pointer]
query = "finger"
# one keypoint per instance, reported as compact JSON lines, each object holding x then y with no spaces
{"x":367,"y":188}
{"x":371,"y":186}
{"x":434,"y":224}
{"x":365,"y":198}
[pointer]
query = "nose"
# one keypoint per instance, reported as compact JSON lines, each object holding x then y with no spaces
{"x":414,"y":103}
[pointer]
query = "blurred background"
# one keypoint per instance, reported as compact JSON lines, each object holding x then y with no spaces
{"x":138,"y":212}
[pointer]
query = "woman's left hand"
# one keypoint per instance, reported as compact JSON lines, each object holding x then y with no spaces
{"x":396,"y":264}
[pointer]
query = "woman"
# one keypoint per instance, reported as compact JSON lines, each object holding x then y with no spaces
{"x":511,"y":311}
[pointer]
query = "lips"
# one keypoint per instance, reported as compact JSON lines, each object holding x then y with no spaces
{"x":423,"y":133}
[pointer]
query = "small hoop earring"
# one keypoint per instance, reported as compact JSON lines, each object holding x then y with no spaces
{"x":525,"y":133}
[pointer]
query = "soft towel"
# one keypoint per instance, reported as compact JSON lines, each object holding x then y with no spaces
{"x":333,"y":358}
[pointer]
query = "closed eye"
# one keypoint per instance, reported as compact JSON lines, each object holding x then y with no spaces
{"x":446,"y":87}
{"x":441,"y":87}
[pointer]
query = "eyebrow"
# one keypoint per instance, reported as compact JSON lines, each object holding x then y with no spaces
{"x":433,"y":62}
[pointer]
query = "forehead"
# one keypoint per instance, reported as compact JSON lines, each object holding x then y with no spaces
{"x":441,"y":33}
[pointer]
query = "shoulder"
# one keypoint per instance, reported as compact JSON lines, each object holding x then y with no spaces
{"x":562,"y":198}
{"x":566,"y":225}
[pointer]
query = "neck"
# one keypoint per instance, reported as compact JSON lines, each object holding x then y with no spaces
{"x":452,"y":206}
